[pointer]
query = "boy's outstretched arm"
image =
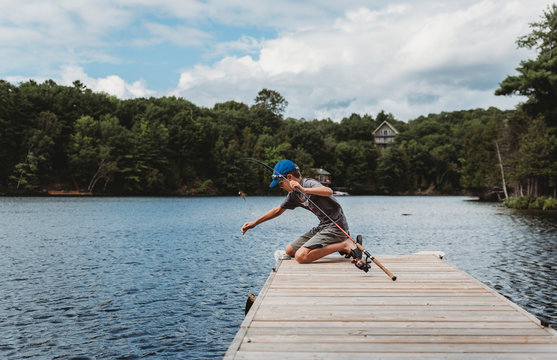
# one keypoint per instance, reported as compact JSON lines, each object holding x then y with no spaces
{"x":271,"y":214}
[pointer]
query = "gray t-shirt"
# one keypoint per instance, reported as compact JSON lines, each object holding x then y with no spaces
{"x":326,"y":203}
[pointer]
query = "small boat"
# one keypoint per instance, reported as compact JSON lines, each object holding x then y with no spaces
{"x":340,"y":193}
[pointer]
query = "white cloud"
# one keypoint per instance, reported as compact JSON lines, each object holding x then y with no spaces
{"x":329,"y":58}
{"x":177,"y":35}
{"x":245,"y":45}
{"x":408,"y":59}
{"x":36,"y":36}
{"x":112,"y":84}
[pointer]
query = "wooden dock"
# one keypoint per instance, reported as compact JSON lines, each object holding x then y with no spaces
{"x":331,"y":310}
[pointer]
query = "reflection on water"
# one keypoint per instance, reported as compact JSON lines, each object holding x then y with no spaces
{"x":526,"y":266}
{"x":168,"y":278}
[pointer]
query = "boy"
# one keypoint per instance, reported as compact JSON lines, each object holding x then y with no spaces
{"x":322,"y":240}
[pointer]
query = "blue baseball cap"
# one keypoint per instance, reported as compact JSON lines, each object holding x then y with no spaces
{"x":282,"y":168}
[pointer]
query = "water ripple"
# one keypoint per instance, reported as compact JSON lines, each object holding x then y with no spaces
{"x":134,"y":278}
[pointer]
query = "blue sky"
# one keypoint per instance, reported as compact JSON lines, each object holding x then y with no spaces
{"x":327,"y":59}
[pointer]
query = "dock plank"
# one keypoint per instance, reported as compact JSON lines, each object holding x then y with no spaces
{"x":319,"y":338}
{"x":330,"y":310}
{"x":253,"y":355}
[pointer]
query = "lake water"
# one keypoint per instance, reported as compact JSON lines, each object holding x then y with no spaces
{"x":130,"y":278}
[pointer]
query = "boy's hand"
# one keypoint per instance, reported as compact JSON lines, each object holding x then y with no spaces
{"x":294,"y":185}
{"x":247,"y":226}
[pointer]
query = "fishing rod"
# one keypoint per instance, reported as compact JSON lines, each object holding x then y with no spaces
{"x":369,"y":257}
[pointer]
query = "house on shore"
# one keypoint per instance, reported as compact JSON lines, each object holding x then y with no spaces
{"x":384,"y":135}
{"x":323,"y":176}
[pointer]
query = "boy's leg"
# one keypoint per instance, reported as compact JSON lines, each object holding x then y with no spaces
{"x":290,"y":250}
{"x":299,"y":242}
{"x":306,"y":255}
{"x":323,"y":243}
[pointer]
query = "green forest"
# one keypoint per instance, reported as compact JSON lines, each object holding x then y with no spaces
{"x":55,"y":137}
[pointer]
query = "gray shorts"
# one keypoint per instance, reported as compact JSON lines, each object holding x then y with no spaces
{"x":316,"y":238}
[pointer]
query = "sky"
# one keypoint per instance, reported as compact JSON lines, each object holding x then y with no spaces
{"x":328,"y":59}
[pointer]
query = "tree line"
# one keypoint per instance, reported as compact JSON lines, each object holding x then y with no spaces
{"x":61,"y":137}
{"x":55,"y":136}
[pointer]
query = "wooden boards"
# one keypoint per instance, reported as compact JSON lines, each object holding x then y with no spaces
{"x":331,"y":310}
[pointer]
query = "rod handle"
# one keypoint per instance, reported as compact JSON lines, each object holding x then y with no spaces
{"x":389,"y":274}
{"x":376,"y":262}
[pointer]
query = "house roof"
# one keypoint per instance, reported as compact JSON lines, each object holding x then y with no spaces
{"x":321,"y":172}
{"x":385,"y":123}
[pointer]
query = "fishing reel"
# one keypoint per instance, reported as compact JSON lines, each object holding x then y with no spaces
{"x":363,"y":264}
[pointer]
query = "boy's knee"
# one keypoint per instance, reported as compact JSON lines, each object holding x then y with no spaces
{"x":290,"y":251}
{"x":302,"y":256}
{"x":300,"y":259}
